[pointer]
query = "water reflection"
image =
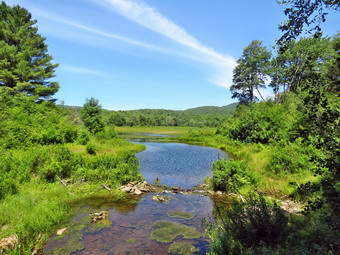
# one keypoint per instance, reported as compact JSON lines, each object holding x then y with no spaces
{"x":177,"y":164}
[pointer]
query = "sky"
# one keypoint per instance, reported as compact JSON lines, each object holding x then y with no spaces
{"x":156,"y":54}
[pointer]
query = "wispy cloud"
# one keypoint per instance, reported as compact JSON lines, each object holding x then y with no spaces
{"x":77,"y":69}
{"x":71,"y":23}
{"x":150,"y":18}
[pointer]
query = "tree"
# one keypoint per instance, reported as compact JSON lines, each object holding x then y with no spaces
{"x":91,"y":115}
{"x":25,"y":65}
{"x":311,"y":13}
{"x":250,"y":73}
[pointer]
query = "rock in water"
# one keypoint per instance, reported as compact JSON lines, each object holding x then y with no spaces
{"x":61,"y":231}
{"x":158,"y":198}
{"x":99,"y":216}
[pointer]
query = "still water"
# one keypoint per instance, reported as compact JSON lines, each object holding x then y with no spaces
{"x":177,"y":164}
{"x":128,"y":229}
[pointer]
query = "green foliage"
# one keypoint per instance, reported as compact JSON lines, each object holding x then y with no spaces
{"x":91,"y":116}
{"x":304,"y":13}
{"x":248,"y":226}
{"x":25,"y":123}
{"x":231,"y":175}
{"x":91,"y":149}
{"x":25,"y":66}
{"x":109,"y":169}
{"x":250,"y":73}
{"x":83,"y":137}
{"x":32,"y":214}
{"x":291,"y":158}
{"x":206,"y":116}
{"x":263,"y":122}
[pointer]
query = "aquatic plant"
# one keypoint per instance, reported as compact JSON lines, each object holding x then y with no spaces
{"x":179,"y":214}
{"x":167,"y":231}
{"x":182,"y":248}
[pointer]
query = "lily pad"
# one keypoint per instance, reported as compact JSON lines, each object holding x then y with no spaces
{"x":179,"y":214}
{"x":167,"y":231}
{"x":182,"y":249}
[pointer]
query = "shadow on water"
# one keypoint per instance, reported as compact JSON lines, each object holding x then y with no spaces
{"x":128,"y":229}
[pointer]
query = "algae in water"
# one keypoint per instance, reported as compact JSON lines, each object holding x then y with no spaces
{"x":182,"y":248}
{"x":179,"y":214}
{"x":167,"y":231}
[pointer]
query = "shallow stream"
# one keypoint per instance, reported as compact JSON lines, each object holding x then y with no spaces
{"x":136,"y":225}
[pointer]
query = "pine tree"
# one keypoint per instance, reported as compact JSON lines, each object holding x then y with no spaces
{"x":91,"y":115}
{"x":25,"y":65}
{"x":250,"y":73}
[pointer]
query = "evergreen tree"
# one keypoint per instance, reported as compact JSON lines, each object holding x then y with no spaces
{"x":249,"y":74}
{"x":91,"y":116}
{"x":25,"y":65}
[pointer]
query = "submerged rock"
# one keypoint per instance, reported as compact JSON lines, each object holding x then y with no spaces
{"x":179,"y":214}
{"x":8,"y":243}
{"x":159,"y":198}
{"x":61,"y":231}
{"x":99,"y":216}
{"x":182,"y":248}
{"x":167,"y":231}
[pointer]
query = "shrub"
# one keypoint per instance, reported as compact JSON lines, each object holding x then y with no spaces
{"x":231,"y":175}
{"x":291,"y":158}
{"x":91,"y":148}
{"x":263,"y":122}
{"x":83,"y":137}
{"x":248,"y":226}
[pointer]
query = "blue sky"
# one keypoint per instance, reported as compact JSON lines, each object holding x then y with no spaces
{"x":164,"y":54}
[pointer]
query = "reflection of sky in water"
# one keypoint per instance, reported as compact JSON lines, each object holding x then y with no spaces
{"x":177,"y":164}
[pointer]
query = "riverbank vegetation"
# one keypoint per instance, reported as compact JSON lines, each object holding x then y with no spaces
{"x":291,"y":139}
{"x":284,"y":147}
{"x":48,"y":156}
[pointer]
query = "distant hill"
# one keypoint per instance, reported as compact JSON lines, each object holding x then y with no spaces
{"x":202,"y":110}
{"x":212,"y":110}
{"x":204,"y":116}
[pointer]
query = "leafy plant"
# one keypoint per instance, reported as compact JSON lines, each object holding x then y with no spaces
{"x":231,"y":175}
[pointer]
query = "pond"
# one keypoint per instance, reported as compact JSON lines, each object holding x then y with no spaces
{"x":177,"y":164}
{"x":140,"y":225}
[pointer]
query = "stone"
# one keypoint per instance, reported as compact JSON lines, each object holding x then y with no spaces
{"x":8,"y":243}
{"x":62,"y":231}
{"x":158,"y":198}
{"x":126,"y":189}
{"x":99,"y":216}
{"x":137,"y":192}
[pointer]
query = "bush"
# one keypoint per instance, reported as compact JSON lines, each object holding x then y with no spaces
{"x":83,"y":137}
{"x":263,"y":122}
{"x":231,"y":175}
{"x":248,"y":226}
{"x":291,"y":158}
{"x":91,"y":149}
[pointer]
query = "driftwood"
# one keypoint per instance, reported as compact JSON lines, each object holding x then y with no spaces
{"x":65,"y":185}
{"x":106,"y":187}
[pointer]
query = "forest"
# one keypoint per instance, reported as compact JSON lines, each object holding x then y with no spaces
{"x":284,"y":146}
